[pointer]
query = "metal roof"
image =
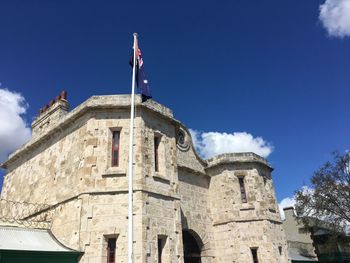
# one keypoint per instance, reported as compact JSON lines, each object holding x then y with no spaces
{"x":296,"y":256}
{"x":26,"y":239}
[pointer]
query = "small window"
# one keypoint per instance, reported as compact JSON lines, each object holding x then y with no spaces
{"x":242,"y":189}
{"x":254,"y":255}
{"x":280,"y":250}
{"x":115,"y":148}
{"x":111,"y":247}
{"x":156,"y":153}
{"x":161,"y":244}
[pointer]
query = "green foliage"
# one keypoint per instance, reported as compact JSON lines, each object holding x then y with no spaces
{"x":327,"y":201}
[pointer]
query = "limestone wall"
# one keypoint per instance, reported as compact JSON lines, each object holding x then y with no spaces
{"x":234,"y":242}
{"x":161,"y":219}
{"x":99,"y":217}
{"x":195,"y":209}
{"x":51,"y":171}
{"x":76,"y":160}
{"x":164,"y":181}
{"x":72,"y":171}
{"x":186,"y":154}
{"x":161,"y":212}
{"x":239,"y":226}
{"x":225,"y":196}
{"x":68,"y":166}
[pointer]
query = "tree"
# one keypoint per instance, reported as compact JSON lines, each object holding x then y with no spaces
{"x":327,"y":201}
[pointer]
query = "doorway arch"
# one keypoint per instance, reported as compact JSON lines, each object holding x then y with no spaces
{"x":192,"y":245}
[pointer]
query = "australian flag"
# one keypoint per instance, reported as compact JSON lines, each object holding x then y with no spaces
{"x":141,"y":79}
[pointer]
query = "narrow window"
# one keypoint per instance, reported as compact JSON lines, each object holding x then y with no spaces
{"x":161,"y":244}
{"x":156,"y":153}
{"x":111,"y":246}
{"x":115,"y":148}
{"x":242,"y":189}
{"x":280,"y":250}
{"x":254,"y":255}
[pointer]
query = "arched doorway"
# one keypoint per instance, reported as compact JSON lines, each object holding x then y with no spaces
{"x":192,"y":245}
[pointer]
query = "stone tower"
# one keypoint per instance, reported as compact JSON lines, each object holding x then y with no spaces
{"x":185,"y":209}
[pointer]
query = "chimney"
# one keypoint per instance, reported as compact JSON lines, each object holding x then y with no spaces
{"x":50,"y":114}
{"x":289,"y":212}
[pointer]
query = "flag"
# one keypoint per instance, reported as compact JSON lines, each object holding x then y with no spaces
{"x":141,"y":79}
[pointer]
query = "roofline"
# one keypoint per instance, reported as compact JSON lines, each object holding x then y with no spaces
{"x":94,"y":102}
{"x":122,"y":101}
{"x":39,"y":230}
{"x":242,"y":157}
{"x":72,"y":252}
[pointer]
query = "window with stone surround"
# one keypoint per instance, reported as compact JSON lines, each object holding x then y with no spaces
{"x":156,"y":144}
{"x":111,"y":249}
{"x":254,"y":252}
{"x":159,"y":156}
{"x":242,"y":189}
{"x":115,"y":147}
{"x":161,"y":245}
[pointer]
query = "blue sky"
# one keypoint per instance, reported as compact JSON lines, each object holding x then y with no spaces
{"x":271,"y":69}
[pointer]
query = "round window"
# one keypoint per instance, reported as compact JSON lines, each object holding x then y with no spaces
{"x":181,"y":140}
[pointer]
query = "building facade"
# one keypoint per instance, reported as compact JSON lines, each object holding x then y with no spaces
{"x":300,"y":244}
{"x":316,"y":242}
{"x":185,"y":209}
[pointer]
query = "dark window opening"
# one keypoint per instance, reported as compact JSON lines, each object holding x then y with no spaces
{"x":156,"y":153}
{"x":280,"y":250}
{"x":111,"y":247}
{"x":242,"y":190}
{"x":161,"y":243}
{"x":254,"y":255}
{"x":115,"y":148}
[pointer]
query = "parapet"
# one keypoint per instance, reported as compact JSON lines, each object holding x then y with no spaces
{"x":229,"y":158}
{"x":55,"y":117}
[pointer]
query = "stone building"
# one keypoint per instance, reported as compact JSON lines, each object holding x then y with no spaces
{"x":185,"y":209}
{"x":315,"y":243}
{"x":300,"y":243}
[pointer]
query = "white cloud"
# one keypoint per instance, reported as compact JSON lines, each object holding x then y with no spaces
{"x":290,"y":201}
{"x":286,"y":202}
{"x":209,"y":144}
{"x":14,"y":130}
{"x":335,"y":17}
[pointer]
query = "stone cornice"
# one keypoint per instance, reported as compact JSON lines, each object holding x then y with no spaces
{"x":191,"y":170}
{"x":93,"y":103}
{"x":123,"y":102}
{"x":223,"y":222}
{"x":231,"y":158}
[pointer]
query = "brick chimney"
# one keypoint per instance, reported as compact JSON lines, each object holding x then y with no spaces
{"x":50,"y":114}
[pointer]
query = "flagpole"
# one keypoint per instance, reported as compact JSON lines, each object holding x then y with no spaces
{"x":131,"y":155}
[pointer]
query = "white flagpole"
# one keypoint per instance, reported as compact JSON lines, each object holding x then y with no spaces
{"x":131,"y":155}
